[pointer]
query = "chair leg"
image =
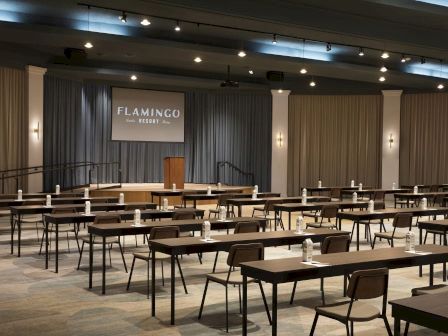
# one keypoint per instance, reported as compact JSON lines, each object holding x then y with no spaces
{"x":386,"y":323}
{"x":110,"y":257}
{"x":42,"y":242}
{"x":147,"y":279}
{"x":203,"y":299}
{"x":314,"y":324}
{"x":352,"y":329}
{"x":163,"y":276}
{"x":239,"y":298}
{"x":181,"y":275}
{"x":130,"y":274}
{"x":373,"y":244}
{"x":322,"y":290}
{"x":265,"y":302}
{"x":80,"y":254}
{"x":426,"y":236}
{"x":68,"y":243}
{"x":216,"y":260}
{"x":293,"y":292}
{"x":227,"y":309}
{"x":406,"y":329}
{"x":122,"y":256}
{"x":347,"y":329}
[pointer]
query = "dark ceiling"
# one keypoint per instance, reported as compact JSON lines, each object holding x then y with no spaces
{"x":37,"y":32}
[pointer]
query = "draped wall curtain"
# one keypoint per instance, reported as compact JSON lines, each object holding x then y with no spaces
{"x":218,"y":127}
{"x":335,"y":138}
{"x":424,"y":138}
{"x":13,"y":124}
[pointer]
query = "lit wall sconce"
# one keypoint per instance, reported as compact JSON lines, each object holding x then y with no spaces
{"x":280,"y":139}
{"x":36,"y":130}
{"x":391,"y":140}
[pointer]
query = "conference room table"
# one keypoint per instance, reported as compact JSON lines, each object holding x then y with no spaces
{"x":278,"y":271}
{"x":410,"y":196}
{"x":371,"y":192}
{"x":429,"y":311}
{"x":299,"y":207}
{"x":43,"y":195}
{"x":177,"y":246}
{"x":125,"y":229}
{"x":424,"y":186}
{"x":56,"y":201}
{"x":312,"y":190}
{"x":364,"y":216}
{"x":70,"y":218}
{"x":181,"y":192}
{"x":240,"y":201}
{"x":18,"y":211}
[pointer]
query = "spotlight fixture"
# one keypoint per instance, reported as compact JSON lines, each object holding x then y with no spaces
{"x":382,"y":79}
{"x":145,"y":22}
{"x":361,"y":52}
{"x":123,"y":17}
{"x":312,"y":83}
{"x":385,"y":54}
{"x":177,"y":26}
{"x":303,"y":71}
{"x":251,"y":72}
{"x":422,"y":60}
{"x":383,"y":69}
{"x":328,"y":46}
{"x":242,"y":53}
{"x":197,"y":59}
{"x":440,"y":86}
{"x":134,"y":77}
{"x":88,"y":45}
{"x":274,"y":39}
{"x":404,"y":59}
{"x":280,"y":91}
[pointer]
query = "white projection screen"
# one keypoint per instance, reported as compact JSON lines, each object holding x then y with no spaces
{"x":147,"y":115}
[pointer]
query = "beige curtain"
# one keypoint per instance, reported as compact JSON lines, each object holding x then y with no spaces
{"x":424,"y":138}
{"x":335,"y":138}
{"x":13,"y":123}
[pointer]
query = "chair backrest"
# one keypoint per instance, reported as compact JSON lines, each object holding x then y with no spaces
{"x":164,"y":232}
{"x":402,"y":220}
{"x":222,"y":199}
{"x":379,"y":195}
{"x":379,"y":205}
{"x":269,"y":205}
{"x":335,"y":244}
{"x":247,"y":227}
{"x":63,"y":210}
{"x":335,"y":193}
{"x":329,"y":211}
{"x":434,"y":188}
{"x":129,"y":207}
{"x":184,"y":214}
{"x":107,"y":219}
{"x":368,"y":284}
{"x":239,"y":253}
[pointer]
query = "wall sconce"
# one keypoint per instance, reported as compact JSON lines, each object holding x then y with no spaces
{"x":280,"y":139}
{"x":391,"y":140}
{"x":36,"y":130}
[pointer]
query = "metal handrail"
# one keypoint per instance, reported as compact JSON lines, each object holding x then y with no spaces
{"x":220,"y":164}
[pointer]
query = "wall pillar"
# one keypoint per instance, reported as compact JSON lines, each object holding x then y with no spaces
{"x":279,"y":168}
{"x":391,"y":131}
{"x":36,"y":123}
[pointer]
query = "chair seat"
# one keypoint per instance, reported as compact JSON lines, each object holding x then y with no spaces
{"x":326,"y":225}
{"x":147,"y":256}
{"x":373,"y":221}
{"x":109,"y":240}
{"x":34,"y":219}
{"x":436,"y":289}
{"x":235,"y":278}
{"x":258,"y":208}
{"x":390,"y":235}
{"x":360,"y":311}
{"x":311,"y":214}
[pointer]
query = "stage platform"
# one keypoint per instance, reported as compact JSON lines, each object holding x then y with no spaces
{"x":142,"y":192}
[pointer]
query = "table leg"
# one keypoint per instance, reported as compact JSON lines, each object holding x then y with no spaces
{"x":431,"y":274}
{"x":57,"y":249}
{"x":194,"y":204}
{"x":289,"y":220}
{"x":420,"y":239}
{"x":396,"y":326}
{"x":357,"y":235}
{"x":153,"y":282}
{"x":244,"y":305}
{"x":173,"y":288}
{"x":239,"y":211}
{"x":90,"y":260}
{"x":160,"y":202}
{"x":46,"y":244}
{"x":11,"y":222}
{"x":19,"y":234}
{"x":274,"y":309}
{"x":103,"y":285}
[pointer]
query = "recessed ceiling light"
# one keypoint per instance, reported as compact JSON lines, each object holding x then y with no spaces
{"x":382,"y":79}
{"x":177,"y":26}
{"x":242,"y":53}
{"x":123,"y":17}
{"x":440,"y":86}
{"x":361,"y":52}
{"x":133,"y":77}
{"x":280,"y":91}
{"x":385,"y":55}
{"x":383,"y":69}
{"x":274,"y":39}
{"x":303,"y":71}
{"x":313,"y":83}
{"x":88,"y":45}
{"x":145,"y":22}
{"x":251,"y":72}
{"x":197,"y":59}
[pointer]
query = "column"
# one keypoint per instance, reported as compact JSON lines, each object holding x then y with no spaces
{"x":279,"y":167}
{"x":36,"y":123}
{"x":391,"y":137}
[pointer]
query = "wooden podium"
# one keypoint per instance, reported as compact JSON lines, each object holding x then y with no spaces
{"x":174,"y":172}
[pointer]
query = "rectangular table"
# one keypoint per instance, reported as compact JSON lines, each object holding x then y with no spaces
{"x":293,"y":269}
{"x":240,"y":202}
{"x":125,"y":229}
{"x":19,"y":211}
{"x":39,"y":195}
{"x":181,"y":192}
{"x":188,"y":245}
{"x":418,"y":196}
{"x":312,"y":190}
{"x":56,"y":201}
{"x":430,"y":311}
{"x":371,"y":192}
{"x":357,"y":216}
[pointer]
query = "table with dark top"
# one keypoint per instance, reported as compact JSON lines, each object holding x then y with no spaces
{"x":56,"y":201}
{"x":40,"y":195}
{"x":430,"y":311}
{"x":18,"y":211}
{"x":410,"y":196}
{"x":287,"y":270}
{"x":371,"y":192}
{"x":189,"y":245}
{"x":312,"y":190}
{"x":424,"y":186}
{"x":125,"y":229}
{"x":181,"y":192}
{"x":357,"y":216}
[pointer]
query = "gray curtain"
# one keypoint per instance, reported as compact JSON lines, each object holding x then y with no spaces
{"x":218,"y":127}
{"x":334,"y":138}
{"x":424,"y":138}
{"x":14,"y":129}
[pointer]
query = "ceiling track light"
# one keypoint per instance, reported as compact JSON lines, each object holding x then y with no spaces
{"x":385,"y":55}
{"x":280,"y":91}
{"x":197,"y":59}
{"x":328,"y":46}
{"x":383,"y":69}
{"x":145,"y":22}
{"x":382,"y":79}
{"x":251,"y":72}
{"x":274,"y":39}
{"x":134,"y":77}
{"x":361,"y":52}
{"x":440,"y":86}
{"x":123,"y":17}
{"x":177,"y":26}
{"x":312,"y":83}
{"x":303,"y":71}
{"x":242,"y":53}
